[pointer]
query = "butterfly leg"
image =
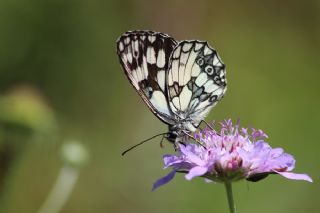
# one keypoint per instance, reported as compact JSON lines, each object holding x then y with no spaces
{"x":208,"y":125}
{"x":161,"y":142}
{"x":194,"y":139}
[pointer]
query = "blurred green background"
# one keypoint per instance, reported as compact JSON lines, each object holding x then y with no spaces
{"x":60,"y":79}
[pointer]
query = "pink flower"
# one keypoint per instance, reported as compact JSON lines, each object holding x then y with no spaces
{"x":230,"y":155}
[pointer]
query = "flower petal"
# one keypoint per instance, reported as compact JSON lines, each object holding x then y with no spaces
{"x":233,"y":154}
{"x":171,"y":160}
{"x":295,"y":176}
{"x":164,"y":180}
{"x":196,"y":171}
{"x":192,"y":157}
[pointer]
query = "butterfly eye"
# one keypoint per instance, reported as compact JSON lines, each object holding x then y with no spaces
{"x":209,"y":69}
{"x":200,"y":61}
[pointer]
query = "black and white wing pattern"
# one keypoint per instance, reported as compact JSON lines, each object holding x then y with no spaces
{"x":196,"y":81}
{"x":144,"y":56}
{"x":179,"y":82}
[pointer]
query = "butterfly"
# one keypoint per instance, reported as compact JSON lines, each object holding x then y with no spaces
{"x":179,"y":81}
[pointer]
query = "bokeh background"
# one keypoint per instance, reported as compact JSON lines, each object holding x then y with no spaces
{"x":60,"y":80}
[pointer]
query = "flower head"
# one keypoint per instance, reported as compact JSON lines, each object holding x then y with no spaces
{"x":232,"y":154}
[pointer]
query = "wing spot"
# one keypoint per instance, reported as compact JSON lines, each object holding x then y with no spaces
{"x":172,"y":92}
{"x":149,"y":92}
{"x":222,"y":73}
{"x":121,"y":46}
{"x":151,"y":55}
{"x":135,"y":49}
{"x":152,"y":38}
{"x":127,"y":40}
{"x":185,"y":97}
{"x":159,"y":101}
{"x":176,"y":102}
{"x":186,"y":47}
{"x":207,"y":50}
{"x":201,"y":79}
{"x":197,"y":91}
{"x":198,"y":46}
{"x":218,"y":92}
{"x":129,"y":57}
{"x":204,"y":97}
{"x":195,"y":70}
{"x":200,"y":61}
{"x":161,"y":79}
{"x":210,"y":86}
{"x":194,"y":103}
{"x":209,"y":69}
{"x":175,"y":70}
{"x":215,"y":60}
{"x":161,"y":59}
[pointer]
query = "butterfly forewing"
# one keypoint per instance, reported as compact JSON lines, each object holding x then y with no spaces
{"x":196,"y":80}
{"x":144,"y":56}
{"x":179,"y":82}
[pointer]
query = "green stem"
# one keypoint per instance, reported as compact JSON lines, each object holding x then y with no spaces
{"x":232,"y":206}
{"x":61,"y":190}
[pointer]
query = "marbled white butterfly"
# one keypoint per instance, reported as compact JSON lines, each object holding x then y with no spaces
{"x":179,"y":81}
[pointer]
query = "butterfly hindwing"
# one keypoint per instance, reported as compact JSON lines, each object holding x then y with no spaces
{"x":196,"y":80}
{"x":144,"y":56}
{"x":179,"y":82}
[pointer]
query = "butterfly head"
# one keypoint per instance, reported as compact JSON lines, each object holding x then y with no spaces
{"x":171,"y":136}
{"x":177,"y":133}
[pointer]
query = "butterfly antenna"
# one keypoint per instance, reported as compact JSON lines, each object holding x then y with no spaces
{"x":142,"y":142}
